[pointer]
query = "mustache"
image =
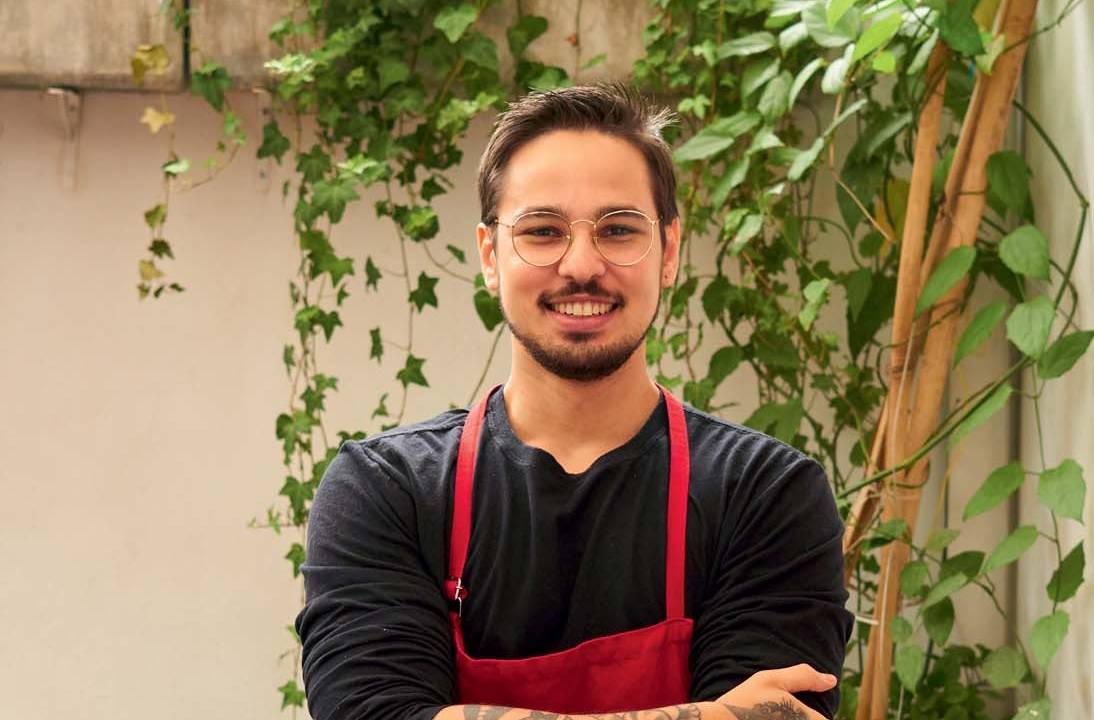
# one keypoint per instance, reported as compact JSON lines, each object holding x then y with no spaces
{"x":591,"y":288}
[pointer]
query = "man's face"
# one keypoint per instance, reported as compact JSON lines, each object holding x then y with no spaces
{"x":580,"y":175}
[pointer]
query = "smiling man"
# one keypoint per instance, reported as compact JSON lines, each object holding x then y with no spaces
{"x":579,"y":544}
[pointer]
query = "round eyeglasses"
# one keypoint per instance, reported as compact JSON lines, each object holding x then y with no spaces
{"x":622,"y":237}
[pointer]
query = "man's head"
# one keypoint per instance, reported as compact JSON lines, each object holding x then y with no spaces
{"x":579,"y":153}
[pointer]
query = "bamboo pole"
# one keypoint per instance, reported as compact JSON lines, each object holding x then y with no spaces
{"x":982,"y":134}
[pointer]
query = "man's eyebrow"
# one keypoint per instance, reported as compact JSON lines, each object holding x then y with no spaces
{"x":599,"y":213}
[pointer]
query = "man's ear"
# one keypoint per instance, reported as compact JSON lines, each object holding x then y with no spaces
{"x":488,"y":258}
{"x":670,"y":258}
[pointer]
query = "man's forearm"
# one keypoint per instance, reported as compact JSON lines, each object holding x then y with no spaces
{"x":689,"y":711}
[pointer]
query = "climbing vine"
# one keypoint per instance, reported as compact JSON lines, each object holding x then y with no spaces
{"x":776,"y":98}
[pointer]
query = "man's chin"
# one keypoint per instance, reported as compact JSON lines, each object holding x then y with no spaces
{"x":578,"y":357}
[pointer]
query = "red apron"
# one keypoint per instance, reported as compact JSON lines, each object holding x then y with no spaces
{"x":633,"y":670}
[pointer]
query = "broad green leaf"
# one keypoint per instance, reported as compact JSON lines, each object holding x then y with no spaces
{"x":757,"y":73}
{"x":858,"y":289}
{"x":1068,"y":576}
{"x":1064,"y":353}
{"x":1046,"y":636}
{"x":815,"y":295}
{"x":750,"y":227}
{"x":411,"y":374}
{"x":966,"y":563}
{"x":1004,"y":667}
{"x":526,"y":29}
{"x":919,"y":61}
{"x":453,"y":21}
{"x":750,"y":44}
{"x":1038,"y":710}
{"x":958,"y":28}
{"x":764,"y":139}
{"x":845,"y":31}
{"x":908,"y":664}
{"x":914,"y":578}
{"x":1025,"y":251}
{"x":835,"y":9}
{"x":733,"y":176}
{"x":717,"y":136}
{"x":943,"y":589}
{"x":773,"y":101}
{"x":884,"y":62}
{"x":1063,"y":490}
{"x":1001,"y":484}
{"x":723,"y":363}
{"x":803,"y":77}
{"x":877,"y":35}
{"x":984,"y":410}
{"x":948,"y":273}
{"x":804,"y":160}
{"x":1011,"y":548}
{"x":482,"y":51}
{"x":792,"y":36}
{"x":979,"y":329}
{"x":1008,"y":179}
{"x":938,"y":621}
{"x":941,"y":539}
{"x":900,"y":628}
{"x":594,"y":61}
{"x":832,"y":82}
{"x":1030,"y":324}
{"x":715,"y":296}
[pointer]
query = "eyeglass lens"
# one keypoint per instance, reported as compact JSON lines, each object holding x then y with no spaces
{"x":622,"y":237}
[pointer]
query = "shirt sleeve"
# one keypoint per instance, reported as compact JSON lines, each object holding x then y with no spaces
{"x":776,"y":597}
{"x":374,"y":627}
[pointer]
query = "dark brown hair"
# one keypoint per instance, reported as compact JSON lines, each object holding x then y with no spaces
{"x":613,"y":109}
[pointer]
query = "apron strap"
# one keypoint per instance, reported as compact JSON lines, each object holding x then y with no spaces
{"x":677,"y":511}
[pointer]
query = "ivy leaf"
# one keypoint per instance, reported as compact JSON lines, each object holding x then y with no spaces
{"x":1008,"y":179}
{"x":1025,"y":251}
{"x":938,"y":621}
{"x":424,"y":294}
{"x":161,"y":248}
{"x":456,"y":253}
{"x":949,"y":272}
{"x":155,"y":120}
{"x":454,"y":21}
{"x":816,"y":295}
{"x":331,"y":197}
{"x":274,"y":144}
{"x":1001,"y":484}
{"x":381,"y":408}
{"x":176,"y":167}
{"x":1011,"y":548}
{"x":715,"y":296}
{"x":1030,"y":324}
{"x":1068,"y":577}
{"x":298,"y":495}
{"x":908,"y":664}
{"x":488,"y":308}
{"x":1046,"y":636}
{"x":914,"y":578}
{"x":717,"y":136}
{"x":1064,"y":353}
{"x":291,"y":694}
{"x":878,"y":35}
{"x":392,"y":70}
{"x":431,"y":189}
{"x":941,"y":539}
{"x":148,"y":270}
{"x":750,"y":44}
{"x":723,"y":363}
{"x":411,"y":374}
{"x":372,"y":274}
{"x":699,"y":394}
{"x":1038,"y":710}
{"x":524,"y":31}
{"x":377,"y":345}
{"x":210,"y":81}
{"x":1004,"y":667}
{"x":984,"y":410}
{"x":958,"y":28}
{"x":421,"y":223}
{"x":681,"y":295}
{"x":1063,"y":490}
{"x":296,"y":557}
{"x":980,"y":329}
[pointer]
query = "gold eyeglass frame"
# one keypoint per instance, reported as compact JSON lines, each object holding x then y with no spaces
{"x":570,"y":235}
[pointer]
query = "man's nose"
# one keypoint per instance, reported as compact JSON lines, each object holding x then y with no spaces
{"x":582,"y":261}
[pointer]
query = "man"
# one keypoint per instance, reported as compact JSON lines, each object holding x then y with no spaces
{"x":579,"y":544}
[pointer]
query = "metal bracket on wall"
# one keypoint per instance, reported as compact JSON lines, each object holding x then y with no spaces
{"x":70,"y":121}
{"x":265,"y":115}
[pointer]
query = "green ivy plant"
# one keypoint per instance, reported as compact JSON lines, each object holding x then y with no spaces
{"x":763,"y":88}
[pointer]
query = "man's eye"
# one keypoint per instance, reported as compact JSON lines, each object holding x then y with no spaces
{"x":616,"y":231}
{"x":545,"y":231}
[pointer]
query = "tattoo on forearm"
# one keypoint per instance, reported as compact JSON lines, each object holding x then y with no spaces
{"x":678,"y":712}
{"x":783,"y":710}
{"x":481,"y":712}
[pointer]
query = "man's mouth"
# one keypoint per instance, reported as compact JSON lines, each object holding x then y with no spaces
{"x":582,"y":309}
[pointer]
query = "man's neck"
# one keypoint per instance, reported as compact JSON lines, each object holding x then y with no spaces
{"x":577,"y":422}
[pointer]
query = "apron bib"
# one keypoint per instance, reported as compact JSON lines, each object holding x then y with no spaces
{"x":633,"y":670}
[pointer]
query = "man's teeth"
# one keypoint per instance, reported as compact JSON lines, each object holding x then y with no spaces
{"x":582,"y":309}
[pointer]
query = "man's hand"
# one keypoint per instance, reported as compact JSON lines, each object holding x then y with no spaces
{"x":767,"y":694}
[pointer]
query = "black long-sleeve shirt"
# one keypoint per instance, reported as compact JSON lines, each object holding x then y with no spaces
{"x":558,"y":558}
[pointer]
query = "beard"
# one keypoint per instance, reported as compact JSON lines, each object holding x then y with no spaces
{"x":576,"y":357}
